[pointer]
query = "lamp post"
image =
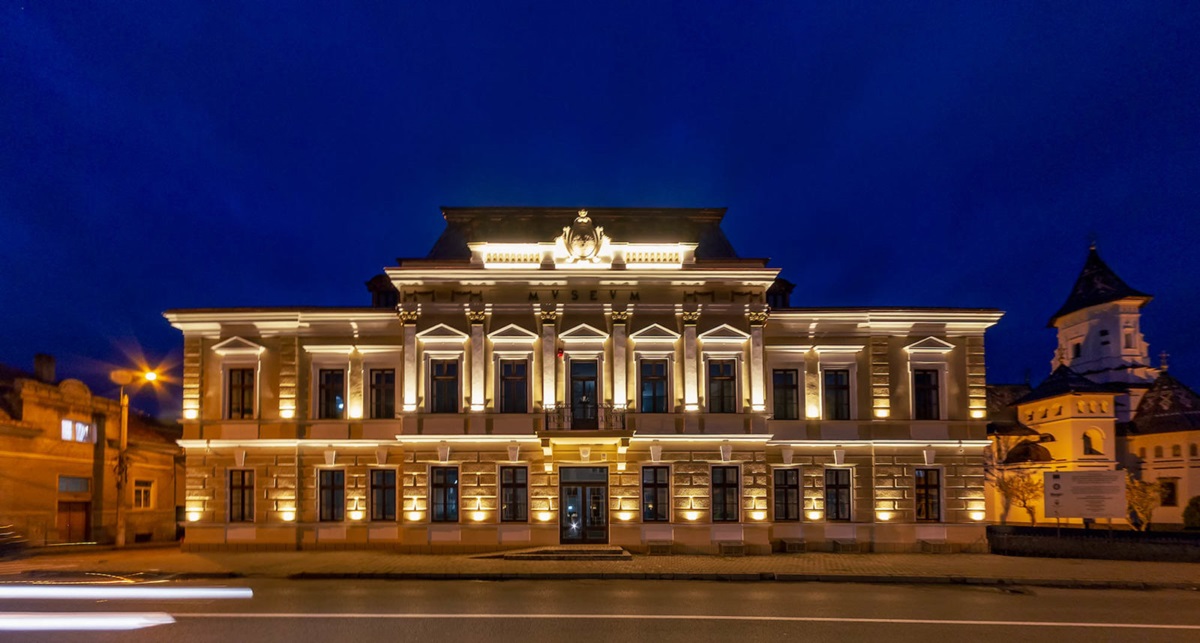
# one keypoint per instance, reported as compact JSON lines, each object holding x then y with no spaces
{"x":123,"y":378}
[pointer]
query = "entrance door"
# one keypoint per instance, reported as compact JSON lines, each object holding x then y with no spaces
{"x":583,"y":505}
{"x":73,"y":521}
{"x":583,"y":394}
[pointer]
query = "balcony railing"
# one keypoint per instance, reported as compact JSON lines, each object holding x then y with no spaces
{"x":604,"y":417}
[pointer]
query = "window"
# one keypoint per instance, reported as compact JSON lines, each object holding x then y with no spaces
{"x":786,"y":384}
{"x":837,"y":394}
{"x":1194,"y":450}
{"x":240,"y":394}
{"x":929,"y":494}
{"x":654,"y":386}
{"x":1169,"y":488}
{"x":143,"y":494}
{"x":444,"y":493}
{"x":1176,"y":451}
{"x":1128,"y":340}
{"x":722,"y":388}
{"x":1077,"y":349}
{"x":383,"y":393}
{"x":73,"y":431}
{"x":331,"y":501}
{"x":787,"y":494}
{"x":725,"y":493}
{"x":383,"y":494}
{"x":1158,"y":452}
{"x":837,"y":494}
{"x":514,"y":386}
{"x":72,"y":484}
{"x":1142,"y":452}
{"x":514,"y":494}
{"x":1091,"y":443}
{"x":331,"y":394}
{"x":241,"y":495}
{"x":443,"y":387}
{"x":925,"y":395}
{"x":656,"y":494}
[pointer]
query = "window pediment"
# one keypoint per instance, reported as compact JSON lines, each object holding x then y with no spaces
{"x":655,"y":333}
{"x":930,"y":345}
{"x":583,"y":333}
{"x":512,"y":334}
{"x":442,"y":334}
{"x":238,"y":346}
{"x":724,"y":334}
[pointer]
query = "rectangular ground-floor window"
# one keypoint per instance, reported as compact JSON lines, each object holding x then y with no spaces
{"x":725,"y":492}
{"x":928,"y":485}
{"x":143,"y":494}
{"x":787,"y":494}
{"x":331,"y":485}
{"x":837,"y":494}
{"x":656,"y":494}
{"x":514,"y":494}
{"x":443,"y":494}
{"x":241,"y":495}
{"x":383,"y":494}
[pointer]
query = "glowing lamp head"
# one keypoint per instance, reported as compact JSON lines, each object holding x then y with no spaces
{"x":882,"y":413}
{"x":544,"y":516}
{"x":479,"y":516}
{"x":150,"y":376}
{"x":191,"y":414}
{"x":758,"y":515}
{"x":288,"y":516}
{"x":978,"y":516}
{"x":977,"y":414}
{"x":883,"y":515}
{"x":625,"y":516}
{"x":692,"y":515}
{"x":287,"y":414}
{"x":356,"y":515}
{"x":415,"y":516}
{"x":193,"y":516}
{"x":813,"y":515}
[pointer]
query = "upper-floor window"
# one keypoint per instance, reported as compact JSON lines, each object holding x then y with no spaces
{"x":74,"y":484}
{"x":654,"y":386}
{"x":1176,"y":451}
{"x":443,"y":386}
{"x":1128,"y":340}
{"x":926,"y":395}
{"x":1158,"y":452}
{"x":836,"y":385}
{"x":514,"y":494}
{"x":837,"y":494}
{"x":239,"y":393}
{"x":443,"y":492}
{"x":787,"y":494}
{"x":331,"y":502}
{"x":1194,"y":450}
{"x":73,"y":431}
{"x":1077,"y":349}
{"x":786,"y":393}
{"x":1169,"y":490}
{"x":514,"y":386}
{"x":331,"y":393}
{"x":383,"y":494}
{"x":656,"y":494}
{"x":383,"y":393}
{"x":725,"y":493}
{"x":722,"y":386}
{"x":1092,"y":443}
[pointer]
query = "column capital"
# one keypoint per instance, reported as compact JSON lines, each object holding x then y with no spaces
{"x":620,"y":316}
{"x":407,"y":316}
{"x":476,"y":316}
{"x":690,"y":317}
{"x":548,"y":316}
{"x":758,"y":317}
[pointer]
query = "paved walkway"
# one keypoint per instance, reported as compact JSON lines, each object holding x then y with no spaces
{"x":893,"y":568}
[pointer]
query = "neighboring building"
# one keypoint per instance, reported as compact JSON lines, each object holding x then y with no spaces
{"x":58,"y":452}
{"x":1104,"y":406}
{"x":543,"y":378}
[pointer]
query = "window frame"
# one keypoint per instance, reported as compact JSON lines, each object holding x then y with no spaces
{"x":922,"y":491}
{"x":825,"y":393}
{"x":1168,"y":491}
{"x":787,"y":502}
{"x":723,"y":489}
{"x":796,"y":388}
{"x":734,"y":381}
{"x":383,"y":511}
{"x":143,"y":494}
{"x":502,"y":397}
{"x":445,"y":488}
{"x":322,"y":412}
{"x":520,"y":488}
{"x":667,"y":396}
{"x":378,"y":394}
{"x":937,"y":388}
{"x":662,"y":510}
{"x":434,"y":402}
{"x":327,"y":509}
{"x":245,"y":389}
{"x":243,"y":492}
{"x":849,"y":488}
{"x":70,"y":431}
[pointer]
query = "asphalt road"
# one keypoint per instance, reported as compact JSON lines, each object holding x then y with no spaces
{"x":596,"y":610}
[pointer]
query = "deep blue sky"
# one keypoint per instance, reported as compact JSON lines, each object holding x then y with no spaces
{"x":155,"y":155}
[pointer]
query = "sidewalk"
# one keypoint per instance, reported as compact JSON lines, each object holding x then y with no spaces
{"x":984,"y":569}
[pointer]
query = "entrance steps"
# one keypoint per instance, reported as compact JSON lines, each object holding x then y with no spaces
{"x":566,"y":552}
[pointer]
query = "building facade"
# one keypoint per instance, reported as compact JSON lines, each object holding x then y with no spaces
{"x":546,"y":376}
{"x":58,"y":453}
{"x":1104,"y":406}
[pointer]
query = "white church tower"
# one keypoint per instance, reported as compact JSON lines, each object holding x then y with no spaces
{"x":1099,"y":333}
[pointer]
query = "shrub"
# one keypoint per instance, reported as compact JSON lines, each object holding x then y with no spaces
{"x":1191,"y":515}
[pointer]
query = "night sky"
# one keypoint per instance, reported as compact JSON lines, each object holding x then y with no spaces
{"x":157,"y":156}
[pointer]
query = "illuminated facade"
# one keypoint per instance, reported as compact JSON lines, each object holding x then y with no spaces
{"x":551,"y":376}
{"x":1104,"y":406}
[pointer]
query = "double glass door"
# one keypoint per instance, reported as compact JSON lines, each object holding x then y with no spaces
{"x":584,"y":405}
{"x":583,"y":505}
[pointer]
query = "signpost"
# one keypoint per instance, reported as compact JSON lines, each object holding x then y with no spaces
{"x":1085,"y":494}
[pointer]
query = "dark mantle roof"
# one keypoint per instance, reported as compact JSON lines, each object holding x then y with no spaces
{"x":1169,"y":405}
{"x":1061,"y":382}
{"x":533,"y":224}
{"x":1097,"y":284}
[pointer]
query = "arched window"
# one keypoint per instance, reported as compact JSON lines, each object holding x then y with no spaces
{"x":1176,"y":451}
{"x":1158,"y":452}
{"x":1142,"y":452}
{"x":1093,"y":442}
{"x":1194,"y":450}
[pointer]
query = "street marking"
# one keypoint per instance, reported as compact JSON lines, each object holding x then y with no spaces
{"x":76,"y":621}
{"x":699,"y":617}
{"x":120,"y":592}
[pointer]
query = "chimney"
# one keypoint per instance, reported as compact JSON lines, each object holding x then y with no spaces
{"x":43,"y":367}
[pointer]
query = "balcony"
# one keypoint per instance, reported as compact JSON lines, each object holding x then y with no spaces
{"x":603,"y":417}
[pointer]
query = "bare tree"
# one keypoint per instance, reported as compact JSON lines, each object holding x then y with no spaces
{"x":1016,"y":486}
{"x":1025,"y":489}
{"x":1143,"y":498}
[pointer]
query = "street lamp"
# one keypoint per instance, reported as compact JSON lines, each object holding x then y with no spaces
{"x":123,"y":378}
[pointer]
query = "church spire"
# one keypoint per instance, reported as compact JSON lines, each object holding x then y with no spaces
{"x":1097,"y":284}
